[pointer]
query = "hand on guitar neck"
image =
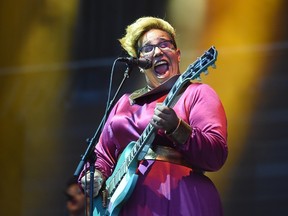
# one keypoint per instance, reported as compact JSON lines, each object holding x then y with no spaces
{"x":164,"y":118}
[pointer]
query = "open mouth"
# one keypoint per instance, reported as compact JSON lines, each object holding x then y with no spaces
{"x":161,"y":67}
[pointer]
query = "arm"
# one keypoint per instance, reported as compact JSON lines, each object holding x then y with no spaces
{"x":206,"y":145}
{"x":196,"y":126}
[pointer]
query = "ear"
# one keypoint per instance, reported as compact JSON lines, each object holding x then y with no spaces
{"x":179,"y":54}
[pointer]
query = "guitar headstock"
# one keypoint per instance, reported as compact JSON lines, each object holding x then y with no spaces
{"x":202,"y":63}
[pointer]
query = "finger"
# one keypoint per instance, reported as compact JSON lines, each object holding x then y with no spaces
{"x":84,"y":184}
{"x":163,"y":109}
{"x":98,"y":180}
{"x":164,"y":114}
{"x":154,"y":124}
{"x":86,"y":188}
{"x":156,"y":120}
{"x":97,"y":183}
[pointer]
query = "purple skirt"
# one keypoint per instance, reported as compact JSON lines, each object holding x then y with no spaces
{"x":168,"y":189}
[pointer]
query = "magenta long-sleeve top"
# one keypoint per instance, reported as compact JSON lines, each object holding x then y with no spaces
{"x":165,"y":188}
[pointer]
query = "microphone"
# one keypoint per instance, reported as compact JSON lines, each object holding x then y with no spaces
{"x":140,"y":62}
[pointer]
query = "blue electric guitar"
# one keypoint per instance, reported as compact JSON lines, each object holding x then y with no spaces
{"x":120,"y":185}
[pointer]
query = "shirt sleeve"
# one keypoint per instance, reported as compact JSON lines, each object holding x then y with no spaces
{"x":206,"y":146}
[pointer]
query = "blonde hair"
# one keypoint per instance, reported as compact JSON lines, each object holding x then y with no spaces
{"x":140,"y":27}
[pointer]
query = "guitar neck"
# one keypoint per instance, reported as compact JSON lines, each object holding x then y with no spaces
{"x":144,"y":142}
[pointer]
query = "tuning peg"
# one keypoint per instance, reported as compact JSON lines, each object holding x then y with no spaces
{"x":213,"y":66}
{"x":206,"y":72}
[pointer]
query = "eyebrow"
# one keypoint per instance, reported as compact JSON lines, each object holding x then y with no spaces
{"x":160,"y":40}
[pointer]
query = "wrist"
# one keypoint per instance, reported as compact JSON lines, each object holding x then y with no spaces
{"x":172,"y":131}
{"x":181,"y":133}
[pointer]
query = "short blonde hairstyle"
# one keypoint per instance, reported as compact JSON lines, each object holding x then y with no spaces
{"x":140,"y":27}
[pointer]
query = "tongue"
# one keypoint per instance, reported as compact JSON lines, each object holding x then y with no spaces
{"x":161,"y":69}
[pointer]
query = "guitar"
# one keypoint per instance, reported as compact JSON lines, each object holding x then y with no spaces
{"x":121,"y":183}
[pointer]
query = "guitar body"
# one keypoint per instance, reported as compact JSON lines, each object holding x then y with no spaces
{"x":123,"y":190}
{"x":98,"y":209}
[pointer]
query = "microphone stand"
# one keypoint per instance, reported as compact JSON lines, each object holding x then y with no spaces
{"x":89,"y":155}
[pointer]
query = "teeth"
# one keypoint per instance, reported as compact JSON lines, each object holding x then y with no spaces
{"x":160,"y":62}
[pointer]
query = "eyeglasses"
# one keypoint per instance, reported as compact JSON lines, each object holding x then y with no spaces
{"x":163,"y":45}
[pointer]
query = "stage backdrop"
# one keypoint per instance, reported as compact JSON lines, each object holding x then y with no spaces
{"x":55,"y":62}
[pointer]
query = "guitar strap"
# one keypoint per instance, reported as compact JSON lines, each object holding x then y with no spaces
{"x":179,"y":94}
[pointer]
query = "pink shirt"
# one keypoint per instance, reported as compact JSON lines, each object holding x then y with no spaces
{"x":164,"y":188}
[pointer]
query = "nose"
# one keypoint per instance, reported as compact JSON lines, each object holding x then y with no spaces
{"x":157,"y":51}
